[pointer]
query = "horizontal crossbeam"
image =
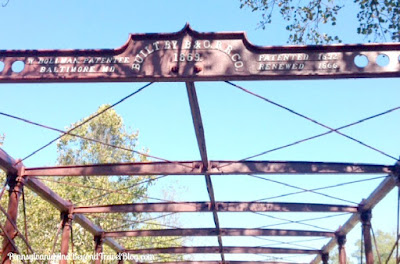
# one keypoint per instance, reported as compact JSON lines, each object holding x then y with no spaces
{"x":227,"y":250}
{"x":213,"y":232}
{"x":215,"y":168}
{"x":219,"y":206}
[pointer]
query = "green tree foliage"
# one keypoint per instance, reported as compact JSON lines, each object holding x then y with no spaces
{"x":385,"y":242}
{"x":307,"y":21}
{"x":44,"y":220}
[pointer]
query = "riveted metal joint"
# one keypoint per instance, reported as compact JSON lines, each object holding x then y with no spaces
{"x":174,"y":69}
{"x":99,"y":239}
{"x":396,"y":173}
{"x":197,"y":69}
{"x":365,"y":217}
{"x":325,"y":257}
{"x":67,"y":217}
{"x":341,"y":239}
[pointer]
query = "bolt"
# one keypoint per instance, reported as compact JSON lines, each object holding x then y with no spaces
{"x":197,"y":69}
{"x":174,"y":69}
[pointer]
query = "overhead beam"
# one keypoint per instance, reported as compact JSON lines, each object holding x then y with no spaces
{"x":296,"y":167}
{"x":136,"y":168}
{"x":227,"y":250}
{"x":214,"y":232}
{"x":215,"y":168}
{"x":234,"y":57}
{"x":368,"y":204}
{"x":220,"y":207}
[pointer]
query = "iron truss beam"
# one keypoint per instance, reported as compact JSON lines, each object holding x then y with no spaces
{"x":368,"y":204}
{"x":63,"y":205}
{"x":215,"y":168}
{"x":201,"y":142}
{"x":214,"y":232}
{"x":227,"y":250}
{"x":219,"y":206}
{"x":8,"y":163}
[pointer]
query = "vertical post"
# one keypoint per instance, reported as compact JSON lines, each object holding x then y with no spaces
{"x":66,"y":233}
{"x":341,"y":240}
{"x":16,"y":184}
{"x":366,"y":229}
{"x":325,"y":258}
{"x":98,"y":248}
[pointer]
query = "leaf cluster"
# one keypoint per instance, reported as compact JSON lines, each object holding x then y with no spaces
{"x":309,"y":22}
{"x":379,"y":19}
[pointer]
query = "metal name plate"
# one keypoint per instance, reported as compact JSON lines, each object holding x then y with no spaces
{"x":188,"y":55}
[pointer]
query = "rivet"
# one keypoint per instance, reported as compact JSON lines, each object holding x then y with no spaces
{"x":197,"y":69}
{"x":175,"y":69}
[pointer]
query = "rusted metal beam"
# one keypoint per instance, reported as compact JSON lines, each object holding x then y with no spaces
{"x":98,"y":249}
{"x":201,"y":142}
{"x":17,"y":231}
{"x":215,"y":168}
{"x":220,"y":207}
{"x":368,"y":204}
{"x":65,"y":235}
{"x":227,"y":250}
{"x":366,"y":231}
{"x":325,"y":258}
{"x":341,"y":240}
{"x":62,"y":205}
{"x":147,"y":168}
{"x":10,"y":240}
{"x":197,"y":122}
{"x":47,"y":194}
{"x":213,"y":205}
{"x":188,"y":55}
{"x":16,"y":183}
{"x":214,"y":232}
{"x":7,"y":163}
{"x":113,"y":244}
{"x":89,"y":225}
{"x":295,"y":167}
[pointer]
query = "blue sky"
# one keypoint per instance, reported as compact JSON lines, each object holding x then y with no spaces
{"x":236,"y":124}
